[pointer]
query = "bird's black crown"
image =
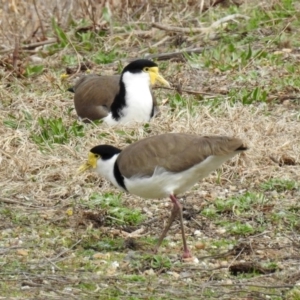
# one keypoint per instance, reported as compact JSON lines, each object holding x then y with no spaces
{"x":138,"y":65}
{"x":105,"y":151}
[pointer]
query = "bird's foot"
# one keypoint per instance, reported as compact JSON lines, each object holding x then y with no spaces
{"x":187,"y":254}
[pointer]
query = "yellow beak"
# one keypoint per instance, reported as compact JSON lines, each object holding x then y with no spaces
{"x":155,"y":76}
{"x":90,"y":163}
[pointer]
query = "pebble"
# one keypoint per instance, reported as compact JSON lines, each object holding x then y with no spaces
{"x":200,"y":245}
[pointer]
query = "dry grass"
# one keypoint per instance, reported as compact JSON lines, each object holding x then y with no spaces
{"x":48,"y":245}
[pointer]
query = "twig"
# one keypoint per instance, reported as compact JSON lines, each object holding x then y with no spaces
{"x":218,"y":23}
{"x":257,"y":285}
{"x":115,"y":219}
{"x":179,"y":54}
{"x":78,"y":58}
{"x":5,"y":200}
{"x":65,"y":251}
{"x":150,"y":221}
{"x":30,"y":46}
{"x":140,"y":33}
{"x":41,"y":23}
{"x":37,"y":44}
{"x":10,"y":201}
{"x":53,"y":264}
{"x":178,"y":29}
{"x":10,"y":248}
{"x":214,"y":25}
{"x":162,"y":41}
{"x":16,"y":54}
{"x":186,"y":91}
{"x":197,"y":223}
{"x":138,"y":10}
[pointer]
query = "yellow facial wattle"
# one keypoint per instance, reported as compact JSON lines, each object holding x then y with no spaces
{"x":90,"y":163}
{"x":155,"y":76}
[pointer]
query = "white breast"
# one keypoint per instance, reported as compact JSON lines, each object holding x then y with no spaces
{"x":138,"y":98}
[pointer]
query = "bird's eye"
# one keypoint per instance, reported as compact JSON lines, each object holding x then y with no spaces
{"x":146,"y":69}
{"x":97,"y":155}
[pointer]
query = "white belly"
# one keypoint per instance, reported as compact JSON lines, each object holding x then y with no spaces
{"x":163,"y":183}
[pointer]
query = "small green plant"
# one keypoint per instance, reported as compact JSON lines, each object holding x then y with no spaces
{"x":240,"y":228}
{"x":108,"y":244}
{"x":62,"y":37}
{"x":257,"y":95}
{"x":33,"y":70}
{"x":54,"y":131}
{"x":209,"y":212}
{"x":159,"y":261}
{"x":293,"y":294}
{"x":14,"y":122}
{"x":279,"y":185}
{"x":134,"y":278}
{"x":229,"y":57}
{"x":69,"y":59}
{"x":239,"y":204}
{"x":118,"y":213}
{"x":88,"y":286}
{"x":178,"y":102}
{"x":287,"y":217}
{"x":102,"y":57}
{"x":222,"y":243}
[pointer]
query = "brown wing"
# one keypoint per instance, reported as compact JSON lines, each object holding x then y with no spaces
{"x":173,"y":151}
{"x":94,"y":95}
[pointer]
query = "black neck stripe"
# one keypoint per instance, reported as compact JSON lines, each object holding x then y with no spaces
{"x":119,"y":102}
{"x":152,"y":111}
{"x":119,"y":177}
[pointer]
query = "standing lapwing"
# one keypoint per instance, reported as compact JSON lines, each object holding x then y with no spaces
{"x":163,"y":165}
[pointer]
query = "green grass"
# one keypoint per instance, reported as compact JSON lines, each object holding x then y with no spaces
{"x":54,"y":131}
{"x":279,"y":185}
{"x":238,"y":205}
{"x":116,"y":212}
{"x":246,"y":65}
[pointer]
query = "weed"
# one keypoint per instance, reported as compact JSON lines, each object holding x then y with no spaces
{"x":135,"y":278}
{"x":222,"y":243}
{"x":54,"y":131}
{"x":239,"y":204}
{"x":101,"y":57}
{"x":69,"y":59}
{"x":61,"y":35}
{"x":33,"y":70}
{"x":159,"y":261}
{"x":228,"y":57}
{"x":286,"y":218}
{"x":25,"y":121}
{"x":279,"y":185}
{"x":116,"y":212}
{"x":240,"y":228}
{"x":89,"y":286}
{"x":104,"y":244}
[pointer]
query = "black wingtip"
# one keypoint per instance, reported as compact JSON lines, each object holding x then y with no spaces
{"x":242,"y":148}
{"x":71,"y":89}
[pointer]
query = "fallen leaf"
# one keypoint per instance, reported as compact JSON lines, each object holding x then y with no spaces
{"x":22,"y":252}
{"x":100,"y":255}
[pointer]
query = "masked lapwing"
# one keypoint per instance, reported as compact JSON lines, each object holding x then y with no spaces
{"x":119,"y":99}
{"x":163,"y":165}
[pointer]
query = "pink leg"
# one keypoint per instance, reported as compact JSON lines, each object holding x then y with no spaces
{"x":186,"y":251}
{"x":176,"y":210}
{"x":174,"y":213}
